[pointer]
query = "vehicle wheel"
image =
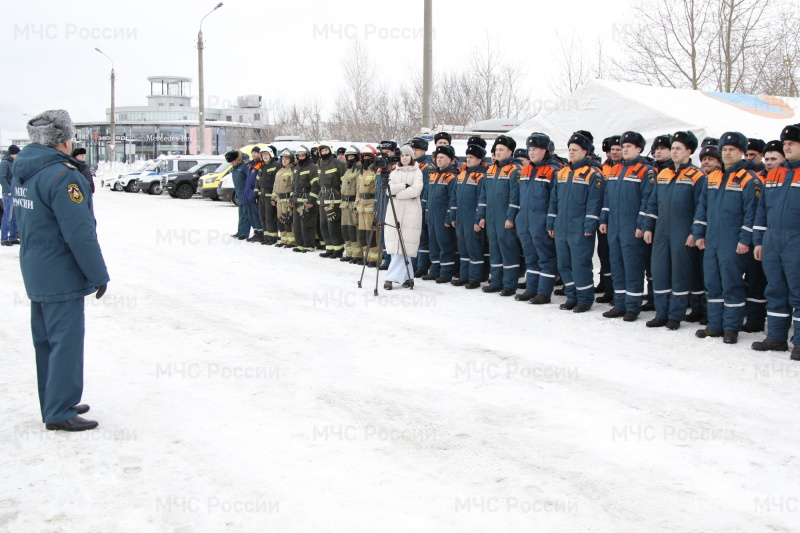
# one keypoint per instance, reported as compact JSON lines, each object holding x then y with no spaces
{"x":173,"y":195}
{"x":155,"y":188}
{"x":234,"y":200}
{"x":117,"y":187}
{"x":131,"y":187}
{"x":185,"y":191}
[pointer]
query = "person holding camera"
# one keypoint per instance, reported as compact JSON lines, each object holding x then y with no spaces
{"x":405,"y":188}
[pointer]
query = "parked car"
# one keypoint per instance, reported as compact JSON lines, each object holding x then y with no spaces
{"x":150,"y":181}
{"x":226,"y":192}
{"x":209,"y":184}
{"x":121,"y":181}
{"x":184,"y":185}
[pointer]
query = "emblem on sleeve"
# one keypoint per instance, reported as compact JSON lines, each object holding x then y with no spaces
{"x":75,"y":193}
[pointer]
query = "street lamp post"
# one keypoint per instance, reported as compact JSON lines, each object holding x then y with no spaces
{"x":201,"y":130}
{"x":113,"y":140}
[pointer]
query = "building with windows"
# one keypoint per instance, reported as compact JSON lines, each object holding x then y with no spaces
{"x":168,"y":124}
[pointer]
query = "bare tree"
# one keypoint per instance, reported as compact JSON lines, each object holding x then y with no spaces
{"x":574,"y":67}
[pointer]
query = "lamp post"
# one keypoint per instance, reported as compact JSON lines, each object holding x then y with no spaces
{"x":111,"y":144}
{"x":427,"y":65}
{"x":201,"y":130}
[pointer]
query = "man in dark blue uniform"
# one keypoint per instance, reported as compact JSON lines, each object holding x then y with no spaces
{"x":422,"y":262}
{"x":61,"y":262}
{"x":777,"y":240}
{"x":441,"y":234}
{"x":725,"y":231}
{"x":572,"y":220}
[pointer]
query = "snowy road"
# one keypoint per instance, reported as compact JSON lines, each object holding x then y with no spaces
{"x":241,"y":387}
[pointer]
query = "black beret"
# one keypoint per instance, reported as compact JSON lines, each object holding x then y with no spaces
{"x":232,"y":156}
{"x":756,"y":144}
{"x":477,"y":141}
{"x":710,"y":151}
{"x":709,"y":141}
{"x":443,"y":135}
{"x":505,"y":140}
{"x":582,"y":141}
{"x":791,"y":133}
{"x":447,"y":150}
{"x":75,"y":152}
{"x":419,"y":143}
{"x":521,"y":152}
{"x":633,"y":138}
{"x":686,"y":138}
{"x":587,"y":134}
{"x":664,"y":141}
{"x":733,"y":138}
{"x":538,"y":140}
{"x":476,"y":150}
{"x":774,"y":146}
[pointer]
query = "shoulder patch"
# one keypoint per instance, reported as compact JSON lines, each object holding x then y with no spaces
{"x":75,"y":193}
{"x":70,"y":165}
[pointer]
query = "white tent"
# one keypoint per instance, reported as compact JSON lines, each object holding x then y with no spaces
{"x":608,"y":108}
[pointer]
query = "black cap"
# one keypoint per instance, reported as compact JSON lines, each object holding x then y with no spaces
{"x":756,"y":145}
{"x":476,"y":150}
{"x":686,"y":138}
{"x":75,"y":152}
{"x":538,"y":140}
{"x":505,"y":140}
{"x":588,"y":135}
{"x":387,"y":145}
{"x":443,"y":135}
{"x":634,"y":138}
{"x":341,"y":150}
{"x":710,"y":151}
{"x":446,"y":150}
{"x":232,"y":156}
{"x":733,"y":138}
{"x":479,"y":141}
{"x":774,"y":146}
{"x":662,"y":141}
{"x":791,"y":133}
{"x":418,"y":143}
{"x":582,"y":141}
{"x":709,"y":141}
{"x":521,"y":152}
{"x":14,"y":149}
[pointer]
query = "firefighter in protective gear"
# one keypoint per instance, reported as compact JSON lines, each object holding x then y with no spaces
{"x":282,"y":199}
{"x":572,"y":220}
{"x":613,"y":149}
{"x":673,"y":206}
{"x":498,"y":206}
{"x":464,"y":216}
{"x":777,"y":240}
{"x":389,"y":150}
{"x":305,"y":194}
{"x":725,"y":231}
{"x":422,"y":263}
{"x":264,"y":186}
{"x":628,"y":188}
{"x":535,"y":183}
{"x":365,"y":206}
{"x":352,"y":247}
{"x":441,"y":234}
{"x":330,"y":171}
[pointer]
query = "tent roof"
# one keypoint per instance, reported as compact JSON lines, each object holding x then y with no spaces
{"x":608,"y":108}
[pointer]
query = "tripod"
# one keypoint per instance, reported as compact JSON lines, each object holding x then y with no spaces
{"x":377,"y":222}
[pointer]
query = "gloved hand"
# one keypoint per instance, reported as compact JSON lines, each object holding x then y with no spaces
{"x":101,"y":291}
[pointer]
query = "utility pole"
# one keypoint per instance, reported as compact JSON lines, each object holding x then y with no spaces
{"x":427,"y":66}
{"x":111,"y":144}
{"x":201,"y":130}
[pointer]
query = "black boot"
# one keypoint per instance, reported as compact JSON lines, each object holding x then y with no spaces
{"x":337,"y":254}
{"x":508,"y":292}
{"x":345,"y":259}
{"x":525,"y":296}
{"x":443,"y":279}
{"x":648,"y":306}
{"x":705,"y":332}
{"x":613,"y":313}
{"x":580,"y":308}
{"x":326,"y":253}
{"x":630,"y":316}
{"x":387,"y":285}
{"x":521,"y":285}
{"x":428,"y":277}
{"x":769,"y":345}
{"x":568,"y":306}
{"x":420,"y":273}
{"x":673,"y":324}
{"x":491,"y":288}
{"x":539,"y":299}
{"x":656,"y":323}
{"x":730,"y":337}
{"x":605,"y":299}
{"x":472,"y":285}
{"x":795,"y":353}
{"x":459,"y":282}
{"x":559,"y":292}
{"x":75,"y":423}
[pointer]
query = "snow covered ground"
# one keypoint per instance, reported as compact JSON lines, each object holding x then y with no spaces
{"x":241,"y":387}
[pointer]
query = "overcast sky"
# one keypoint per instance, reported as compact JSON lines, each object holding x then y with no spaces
{"x":49,"y":59}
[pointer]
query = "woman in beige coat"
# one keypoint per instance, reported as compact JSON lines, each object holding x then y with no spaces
{"x":405,"y":187}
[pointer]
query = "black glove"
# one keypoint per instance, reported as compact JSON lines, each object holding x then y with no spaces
{"x":101,"y":291}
